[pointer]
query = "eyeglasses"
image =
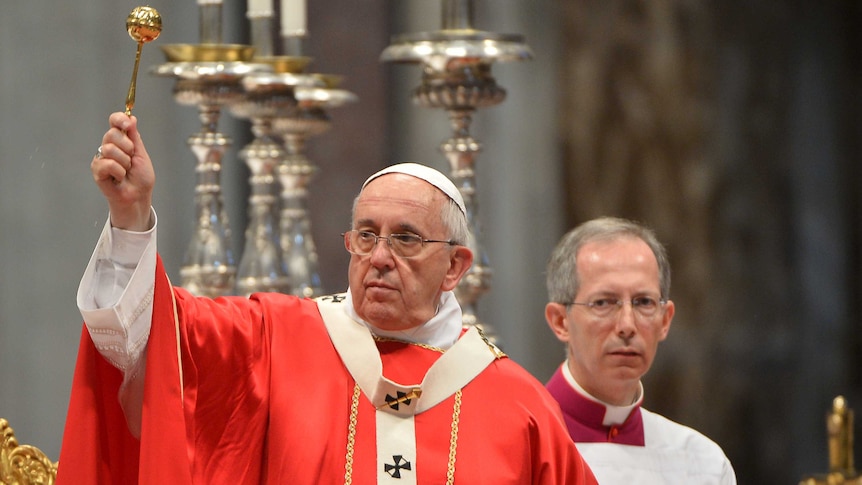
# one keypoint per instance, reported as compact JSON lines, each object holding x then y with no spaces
{"x":362,"y":243}
{"x":644,"y":306}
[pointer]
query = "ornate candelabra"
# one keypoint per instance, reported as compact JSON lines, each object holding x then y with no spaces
{"x":208,"y":75}
{"x":286,"y":106}
{"x":277,"y":243}
{"x":314,"y":95}
{"x":262,"y":267}
{"x":456,"y":76}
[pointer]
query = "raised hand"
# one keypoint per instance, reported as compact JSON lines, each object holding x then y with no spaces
{"x":124,"y":173}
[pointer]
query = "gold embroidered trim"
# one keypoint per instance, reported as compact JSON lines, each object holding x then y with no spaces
{"x":179,"y":343}
{"x":498,"y":354}
{"x":351,"y":437}
{"x":453,"y":440}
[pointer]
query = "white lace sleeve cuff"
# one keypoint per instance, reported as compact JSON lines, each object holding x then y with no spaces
{"x":115,"y":296}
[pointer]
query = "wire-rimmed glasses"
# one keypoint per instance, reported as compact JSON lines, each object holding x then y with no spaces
{"x":362,"y":243}
{"x":644,"y":306}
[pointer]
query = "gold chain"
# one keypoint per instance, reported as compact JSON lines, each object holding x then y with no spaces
{"x":351,"y":436}
{"x":453,"y":440}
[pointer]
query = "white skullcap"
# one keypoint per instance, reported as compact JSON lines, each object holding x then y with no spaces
{"x":427,"y":174}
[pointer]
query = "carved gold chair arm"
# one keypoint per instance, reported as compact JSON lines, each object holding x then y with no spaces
{"x":23,"y":464}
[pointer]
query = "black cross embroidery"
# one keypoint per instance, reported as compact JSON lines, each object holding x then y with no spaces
{"x":394,"y":471}
{"x":335,"y":298}
{"x":402,"y":397}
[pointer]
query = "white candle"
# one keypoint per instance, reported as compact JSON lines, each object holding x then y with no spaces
{"x":293,"y":18}
{"x":259,"y":8}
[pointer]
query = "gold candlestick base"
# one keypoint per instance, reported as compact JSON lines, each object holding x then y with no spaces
{"x":285,"y":64}
{"x":208,"y":52}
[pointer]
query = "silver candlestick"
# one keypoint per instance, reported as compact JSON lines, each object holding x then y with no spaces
{"x":208,"y":76}
{"x":288,"y":104}
{"x":314,"y":94}
{"x":456,"y":76}
{"x":262,"y":267}
{"x":269,"y":96}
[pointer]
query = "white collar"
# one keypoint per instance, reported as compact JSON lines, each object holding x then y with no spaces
{"x":614,"y":415}
{"x":441,"y":331}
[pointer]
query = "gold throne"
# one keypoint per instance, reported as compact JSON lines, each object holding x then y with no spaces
{"x":23,"y":464}
{"x":839,"y":428}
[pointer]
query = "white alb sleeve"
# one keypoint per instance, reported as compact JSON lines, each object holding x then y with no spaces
{"x":115,"y":296}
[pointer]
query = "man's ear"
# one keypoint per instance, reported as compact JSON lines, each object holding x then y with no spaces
{"x":666,"y":318}
{"x":459,"y":262}
{"x":555,"y":315}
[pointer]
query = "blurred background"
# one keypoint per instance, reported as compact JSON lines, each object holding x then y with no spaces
{"x":731,"y":127}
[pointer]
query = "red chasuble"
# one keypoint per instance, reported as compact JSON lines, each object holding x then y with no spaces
{"x":265,"y":398}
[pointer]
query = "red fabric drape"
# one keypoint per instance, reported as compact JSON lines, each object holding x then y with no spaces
{"x":91,"y":455}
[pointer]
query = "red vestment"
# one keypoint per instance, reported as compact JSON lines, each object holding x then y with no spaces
{"x":265,"y":398}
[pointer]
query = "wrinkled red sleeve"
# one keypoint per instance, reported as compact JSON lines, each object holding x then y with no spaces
{"x":97,"y":445}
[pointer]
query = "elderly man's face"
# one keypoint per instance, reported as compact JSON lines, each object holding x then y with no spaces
{"x":396,"y":293}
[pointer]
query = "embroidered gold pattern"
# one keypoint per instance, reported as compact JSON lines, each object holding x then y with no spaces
{"x":498,"y":354}
{"x":405,"y":399}
{"x":453,"y":440}
{"x":23,"y":464}
{"x":351,"y":436}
